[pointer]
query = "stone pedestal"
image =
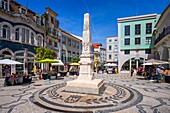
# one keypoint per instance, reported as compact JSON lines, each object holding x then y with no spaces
{"x":85,"y":86}
{"x":86,"y":83}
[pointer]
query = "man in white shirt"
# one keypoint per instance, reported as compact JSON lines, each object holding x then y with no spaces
{"x":158,"y":73}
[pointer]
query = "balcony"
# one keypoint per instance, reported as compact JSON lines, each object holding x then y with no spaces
{"x":164,"y":33}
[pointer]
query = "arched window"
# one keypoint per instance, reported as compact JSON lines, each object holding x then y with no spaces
{"x":17,"y":34}
{"x":23,"y":35}
{"x":4,"y":4}
{"x":32,"y":38}
{"x":39,"y":41}
{"x":6,"y":32}
{"x":27,"y":35}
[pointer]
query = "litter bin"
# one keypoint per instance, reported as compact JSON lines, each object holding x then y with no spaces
{"x":167,"y":79}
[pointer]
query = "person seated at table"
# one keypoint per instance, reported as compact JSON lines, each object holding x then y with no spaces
{"x":6,"y":81}
{"x":12,"y":79}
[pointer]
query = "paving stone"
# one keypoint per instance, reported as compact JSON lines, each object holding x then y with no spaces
{"x":17,"y":99}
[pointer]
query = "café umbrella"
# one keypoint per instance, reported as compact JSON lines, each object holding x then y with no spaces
{"x":8,"y":61}
{"x":156,"y":62}
{"x":74,"y":64}
{"x":47,"y":60}
{"x":110,"y":64}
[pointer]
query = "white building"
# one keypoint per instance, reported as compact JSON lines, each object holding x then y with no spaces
{"x":112,"y":49}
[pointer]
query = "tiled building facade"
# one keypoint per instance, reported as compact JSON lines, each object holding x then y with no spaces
{"x":136,"y":40}
{"x":162,"y":36}
{"x":21,"y":30}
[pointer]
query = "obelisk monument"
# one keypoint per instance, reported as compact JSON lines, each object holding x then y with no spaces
{"x":85,"y":83}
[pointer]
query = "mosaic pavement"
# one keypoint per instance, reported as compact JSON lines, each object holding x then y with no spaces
{"x":123,"y":94}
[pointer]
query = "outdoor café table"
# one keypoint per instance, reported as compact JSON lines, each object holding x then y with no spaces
{"x":45,"y":76}
{"x":63,"y":73}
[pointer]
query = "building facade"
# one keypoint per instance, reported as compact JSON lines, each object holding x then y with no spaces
{"x":112,"y":45}
{"x":99,"y":54}
{"x":71,"y":46}
{"x":162,"y":36}
{"x":102,"y":54}
{"x":20,"y":33}
{"x":135,"y":40}
{"x":53,"y":38}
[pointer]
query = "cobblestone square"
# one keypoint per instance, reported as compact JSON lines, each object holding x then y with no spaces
{"x":155,"y":96}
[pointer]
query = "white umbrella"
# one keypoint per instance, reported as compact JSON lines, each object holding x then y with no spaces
{"x":60,"y":63}
{"x":110,"y":64}
{"x":8,"y":61}
{"x":147,"y":64}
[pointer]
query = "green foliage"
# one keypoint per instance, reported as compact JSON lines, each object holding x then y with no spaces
{"x":75,"y":60}
{"x":43,"y":53}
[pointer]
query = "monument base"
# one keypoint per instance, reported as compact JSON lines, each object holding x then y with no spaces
{"x":85,"y":86}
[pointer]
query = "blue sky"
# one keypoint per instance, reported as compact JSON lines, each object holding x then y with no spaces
{"x":104,"y":13}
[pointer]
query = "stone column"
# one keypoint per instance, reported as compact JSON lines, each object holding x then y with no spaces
{"x":130,"y":64}
{"x":25,"y":61}
{"x":13,"y":67}
{"x":0,"y":69}
{"x":144,"y":65}
{"x":86,"y":62}
{"x":137,"y":63}
{"x":169,"y":55}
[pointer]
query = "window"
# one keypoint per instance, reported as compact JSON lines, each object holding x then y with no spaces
{"x":6,"y":32}
{"x":54,"y":32}
{"x":110,"y":47}
{"x":137,"y":29}
{"x":39,"y":41}
{"x":52,"y":20}
{"x":69,"y":42}
{"x":148,"y":28}
{"x":110,"y":40}
{"x":127,"y":41}
{"x":27,"y":36}
{"x":77,"y":45}
{"x":69,"y":54}
{"x":32,"y":38}
{"x":63,"y":55}
{"x":38,"y":20}
{"x":23,"y":35}
{"x":64,"y":40}
{"x":127,"y":30}
{"x":137,"y":41}
{"x":148,"y":40}
{"x":50,"y":42}
{"x":55,"y":44}
{"x":4,"y":4}
{"x":73,"y":54}
{"x":74,"y":44}
{"x":22,"y":10}
{"x":115,"y":40}
{"x":147,"y":51}
{"x":127,"y":52}
{"x":17,"y":34}
{"x":116,"y":48}
{"x":110,"y":56}
{"x":116,"y":57}
{"x":77,"y":54}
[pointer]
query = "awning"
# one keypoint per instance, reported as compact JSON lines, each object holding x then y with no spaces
{"x":60,"y":63}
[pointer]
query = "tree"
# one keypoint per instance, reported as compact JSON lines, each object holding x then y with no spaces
{"x":43,"y":53}
{"x":75,"y":60}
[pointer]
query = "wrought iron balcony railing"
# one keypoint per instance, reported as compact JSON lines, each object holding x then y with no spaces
{"x":164,"y":33}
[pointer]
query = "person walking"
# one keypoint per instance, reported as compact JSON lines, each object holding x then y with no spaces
{"x":132,"y":71}
{"x":158,"y":74}
{"x":150,"y":73}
